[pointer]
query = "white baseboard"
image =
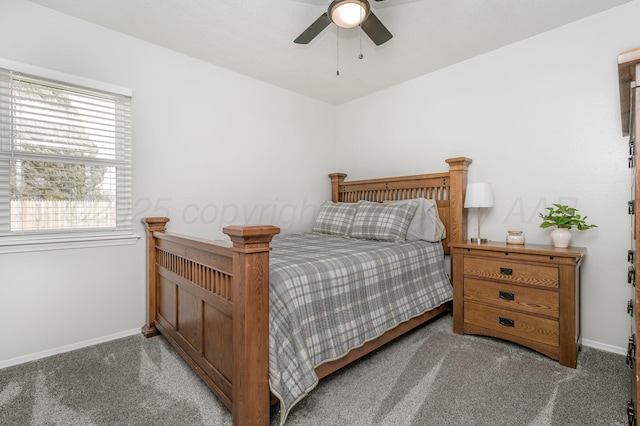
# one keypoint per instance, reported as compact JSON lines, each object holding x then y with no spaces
{"x":127,"y":333}
{"x":604,"y":347}
{"x":67,"y":348}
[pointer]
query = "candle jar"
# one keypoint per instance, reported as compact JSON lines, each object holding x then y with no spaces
{"x":515,"y":237}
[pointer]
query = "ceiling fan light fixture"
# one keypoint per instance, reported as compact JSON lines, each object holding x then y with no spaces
{"x":348,"y":13}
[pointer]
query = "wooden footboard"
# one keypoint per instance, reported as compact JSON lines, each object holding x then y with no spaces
{"x":211,"y":302}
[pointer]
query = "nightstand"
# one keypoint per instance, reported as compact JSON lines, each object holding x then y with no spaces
{"x":528,"y":294}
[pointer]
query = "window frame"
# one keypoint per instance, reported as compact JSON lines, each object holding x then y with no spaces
{"x":70,"y":239}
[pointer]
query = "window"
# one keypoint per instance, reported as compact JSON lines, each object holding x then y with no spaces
{"x":65,"y":161}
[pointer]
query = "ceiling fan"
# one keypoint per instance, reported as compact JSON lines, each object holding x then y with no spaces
{"x":348,"y":14}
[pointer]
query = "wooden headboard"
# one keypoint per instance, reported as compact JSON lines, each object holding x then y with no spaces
{"x":447,"y":188}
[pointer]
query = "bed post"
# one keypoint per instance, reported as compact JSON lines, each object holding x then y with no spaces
{"x":152,"y":224}
{"x":337,"y":179}
{"x":458,"y":168}
{"x":250,"y":297}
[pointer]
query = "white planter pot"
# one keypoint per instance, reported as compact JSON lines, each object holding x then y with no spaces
{"x":561,"y":237}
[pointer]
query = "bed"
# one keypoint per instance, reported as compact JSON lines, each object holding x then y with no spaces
{"x":211,"y":300}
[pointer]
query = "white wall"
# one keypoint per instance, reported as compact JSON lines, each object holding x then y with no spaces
{"x":211,"y":147}
{"x":541,"y":121}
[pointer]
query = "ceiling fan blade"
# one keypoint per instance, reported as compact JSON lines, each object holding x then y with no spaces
{"x":314,"y":29}
{"x":376,"y":30}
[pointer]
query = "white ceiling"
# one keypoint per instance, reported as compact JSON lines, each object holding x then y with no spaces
{"x":255,"y":37}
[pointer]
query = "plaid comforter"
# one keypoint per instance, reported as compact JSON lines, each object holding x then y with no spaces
{"x":331,"y":294}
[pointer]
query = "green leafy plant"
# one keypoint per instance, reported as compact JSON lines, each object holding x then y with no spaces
{"x":564,"y":217}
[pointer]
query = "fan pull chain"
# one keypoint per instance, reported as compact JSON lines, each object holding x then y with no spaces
{"x":337,"y":50}
{"x":360,"y":56}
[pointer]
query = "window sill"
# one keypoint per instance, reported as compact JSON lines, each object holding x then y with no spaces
{"x":23,"y":245}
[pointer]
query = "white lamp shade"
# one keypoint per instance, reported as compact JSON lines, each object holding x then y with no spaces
{"x":348,"y":13}
{"x":478,"y":195}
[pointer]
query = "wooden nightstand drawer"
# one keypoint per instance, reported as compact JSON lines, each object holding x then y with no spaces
{"x":514,"y":324}
{"x":504,"y":295}
{"x":516,"y":272}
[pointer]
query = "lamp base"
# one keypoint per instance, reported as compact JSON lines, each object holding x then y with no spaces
{"x":479,"y":240}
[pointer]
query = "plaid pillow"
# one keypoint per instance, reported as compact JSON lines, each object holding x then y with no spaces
{"x":426,"y":224}
{"x":386,"y":222}
{"x":335,"y":218}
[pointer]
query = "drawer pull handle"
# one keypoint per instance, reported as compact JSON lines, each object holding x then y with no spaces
{"x":506,"y":271}
{"x":507,"y":296}
{"x":507,"y":322}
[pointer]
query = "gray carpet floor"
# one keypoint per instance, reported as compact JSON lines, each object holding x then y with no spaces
{"x":428,"y":377}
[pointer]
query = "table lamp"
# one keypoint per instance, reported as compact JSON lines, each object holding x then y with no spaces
{"x":479,"y":197}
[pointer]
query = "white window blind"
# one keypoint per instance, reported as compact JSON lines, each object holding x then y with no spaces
{"x":65,"y":158}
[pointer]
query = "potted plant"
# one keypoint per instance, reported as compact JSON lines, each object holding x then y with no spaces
{"x":563,"y":218}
